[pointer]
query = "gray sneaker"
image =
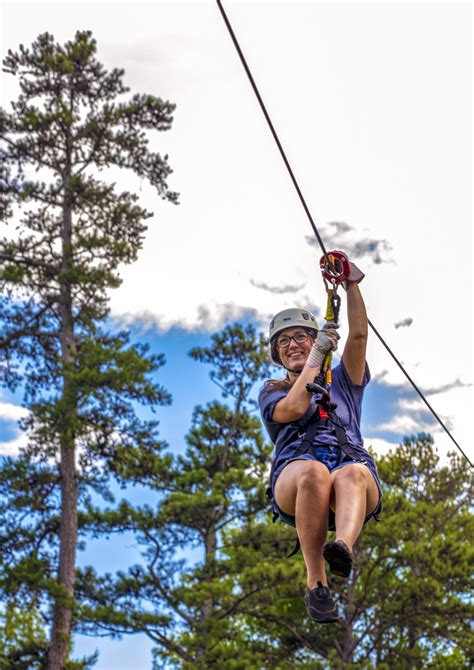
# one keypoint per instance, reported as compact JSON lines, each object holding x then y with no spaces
{"x":320,"y":605}
{"x":339,"y":557}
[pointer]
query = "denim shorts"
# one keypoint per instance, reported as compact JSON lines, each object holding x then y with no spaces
{"x":331,"y":457}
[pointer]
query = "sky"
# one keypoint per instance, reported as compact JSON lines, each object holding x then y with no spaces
{"x":373,"y":104}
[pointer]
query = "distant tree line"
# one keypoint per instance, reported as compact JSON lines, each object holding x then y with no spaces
{"x":238,"y":603}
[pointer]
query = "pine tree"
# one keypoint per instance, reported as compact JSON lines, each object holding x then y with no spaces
{"x":405,"y":605}
{"x":187,"y":607}
{"x":73,"y":231}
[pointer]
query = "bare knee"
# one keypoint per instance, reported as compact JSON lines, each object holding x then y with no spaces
{"x":314,"y":475}
{"x":300,"y":476}
{"x":352,"y":476}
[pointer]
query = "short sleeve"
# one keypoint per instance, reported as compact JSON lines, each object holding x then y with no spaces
{"x":348,"y":396}
{"x":347,"y":381}
{"x":267,"y":399}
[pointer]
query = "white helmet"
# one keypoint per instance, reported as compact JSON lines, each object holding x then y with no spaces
{"x":289,"y":318}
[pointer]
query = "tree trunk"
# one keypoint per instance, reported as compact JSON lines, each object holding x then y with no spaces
{"x":60,"y":642}
{"x":210,"y":558}
{"x":349,"y":644}
{"x":62,"y":617}
{"x":207,"y":608}
{"x":348,"y":647}
{"x":413,"y":633}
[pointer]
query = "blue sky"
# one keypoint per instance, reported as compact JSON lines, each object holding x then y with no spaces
{"x":373,"y":104}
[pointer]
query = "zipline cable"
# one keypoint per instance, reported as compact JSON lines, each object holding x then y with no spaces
{"x":308,"y":214}
{"x":417,"y":389}
{"x":273,"y":131}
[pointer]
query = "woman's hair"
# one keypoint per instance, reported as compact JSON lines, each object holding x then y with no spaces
{"x":278,"y":384}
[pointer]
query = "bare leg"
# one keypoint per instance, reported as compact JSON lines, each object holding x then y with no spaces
{"x":354,"y":495}
{"x":303,"y":490}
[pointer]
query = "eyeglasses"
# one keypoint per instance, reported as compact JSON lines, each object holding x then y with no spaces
{"x":284,"y":340}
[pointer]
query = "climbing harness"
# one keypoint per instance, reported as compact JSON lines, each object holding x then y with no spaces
{"x":313,"y":225}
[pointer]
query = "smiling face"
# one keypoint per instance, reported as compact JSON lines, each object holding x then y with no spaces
{"x":294,"y":354}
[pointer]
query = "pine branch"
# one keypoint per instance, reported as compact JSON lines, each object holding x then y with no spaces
{"x":50,"y":270}
{"x":171,"y":601}
{"x":234,"y":607}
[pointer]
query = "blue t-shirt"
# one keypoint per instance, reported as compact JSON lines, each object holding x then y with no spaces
{"x":347,"y":396}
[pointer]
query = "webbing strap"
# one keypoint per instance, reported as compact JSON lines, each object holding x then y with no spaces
{"x":341,"y":435}
{"x":296,"y":548}
{"x":309,"y":436}
{"x":343,"y":443}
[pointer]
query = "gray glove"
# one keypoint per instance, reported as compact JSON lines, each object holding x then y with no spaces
{"x":328,"y":337}
{"x":326,"y":341}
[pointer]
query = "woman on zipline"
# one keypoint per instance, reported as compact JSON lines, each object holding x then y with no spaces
{"x":320,"y":485}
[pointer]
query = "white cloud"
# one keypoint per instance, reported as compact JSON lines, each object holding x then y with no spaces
{"x":239,"y":217}
{"x":403,"y":425}
{"x":10,"y":412}
{"x":411,"y":405}
{"x":205,"y":318}
{"x":381,"y":447}
{"x":453,"y":406}
{"x":12,"y":447}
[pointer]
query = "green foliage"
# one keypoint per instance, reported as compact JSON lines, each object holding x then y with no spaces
{"x":406,"y":603}
{"x":236,"y":600}
{"x":22,"y":639}
{"x":417,"y":562}
{"x":73,"y":231}
{"x":187,"y":607}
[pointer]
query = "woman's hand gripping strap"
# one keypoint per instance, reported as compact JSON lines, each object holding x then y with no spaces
{"x":325,"y":342}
